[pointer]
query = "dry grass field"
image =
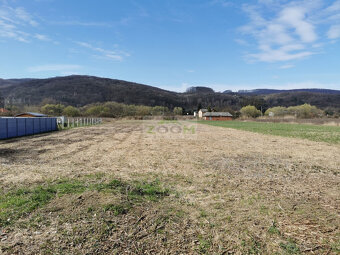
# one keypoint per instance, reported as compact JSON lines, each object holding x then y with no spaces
{"x":123,"y":187}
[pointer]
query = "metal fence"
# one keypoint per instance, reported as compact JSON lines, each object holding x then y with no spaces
{"x":64,"y":122}
{"x":16,"y":126}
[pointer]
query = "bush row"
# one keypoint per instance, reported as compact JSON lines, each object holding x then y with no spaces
{"x":301,"y":111}
{"x":109,"y":109}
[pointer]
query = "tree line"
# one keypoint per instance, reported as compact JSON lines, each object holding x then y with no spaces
{"x":301,"y":111}
{"x":109,"y":109}
{"x":117,"y":110}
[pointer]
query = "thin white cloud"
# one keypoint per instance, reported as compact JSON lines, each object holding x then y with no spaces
{"x":334,"y":7}
{"x":67,"y":73}
{"x":13,"y":22}
{"x":283,"y":53}
{"x":106,"y":24}
{"x":334,"y":32}
{"x":42,"y":37}
{"x":266,"y":2}
{"x":223,"y":3}
{"x":242,"y":42}
{"x":291,"y":31}
{"x":82,"y":23}
{"x":24,"y":16}
{"x":286,"y":66}
{"x":55,"y":67}
{"x":295,"y":17}
{"x":103,"y":53}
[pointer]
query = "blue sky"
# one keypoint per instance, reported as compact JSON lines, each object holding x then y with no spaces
{"x":175,"y":44}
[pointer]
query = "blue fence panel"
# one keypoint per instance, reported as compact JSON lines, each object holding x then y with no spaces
{"x":43,"y":125}
{"x":29,"y":126}
{"x":36,"y":125}
{"x":54,"y":124}
{"x":3,"y":128}
{"x":49,"y":124}
{"x":12,"y":128}
{"x":21,"y":122}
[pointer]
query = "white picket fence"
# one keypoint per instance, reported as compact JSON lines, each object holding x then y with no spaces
{"x":64,"y":122}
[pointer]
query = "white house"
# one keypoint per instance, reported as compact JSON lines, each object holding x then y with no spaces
{"x":201,"y":112}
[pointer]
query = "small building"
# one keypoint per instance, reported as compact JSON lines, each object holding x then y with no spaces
{"x":201,"y":112}
{"x":217,"y":116}
{"x":3,"y":110}
{"x":31,"y":115}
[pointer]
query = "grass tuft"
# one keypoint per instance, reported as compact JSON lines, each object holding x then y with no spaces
{"x":117,"y":209}
{"x":24,"y":201}
{"x":204,"y":245}
{"x":150,"y":190}
{"x":273,"y":229}
{"x":290,"y":247}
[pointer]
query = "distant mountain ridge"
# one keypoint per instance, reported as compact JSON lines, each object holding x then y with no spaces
{"x":80,"y":90}
{"x":276,"y":91}
{"x":9,"y":82}
{"x":194,"y":89}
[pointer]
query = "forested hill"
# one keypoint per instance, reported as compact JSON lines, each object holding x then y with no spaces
{"x":10,"y":82}
{"x":80,"y":90}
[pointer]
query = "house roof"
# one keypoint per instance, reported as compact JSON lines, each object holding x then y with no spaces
{"x":3,"y":110}
{"x":203,"y":110}
{"x":217,"y":114}
{"x":35,"y":114}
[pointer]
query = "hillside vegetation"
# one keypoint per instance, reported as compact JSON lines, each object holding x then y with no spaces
{"x":108,"y":109}
{"x":79,"y":90}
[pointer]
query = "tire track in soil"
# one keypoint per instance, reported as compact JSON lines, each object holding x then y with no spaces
{"x":97,"y":140}
{"x":108,"y":149}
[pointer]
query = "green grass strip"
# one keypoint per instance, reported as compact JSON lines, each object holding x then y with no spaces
{"x":317,"y":133}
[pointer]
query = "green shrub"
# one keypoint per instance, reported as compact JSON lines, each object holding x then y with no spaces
{"x":277,"y":111}
{"x":178,"y":111}
{"x":305,"y":111}
{"x":53,"y":109}
{"x":300,"y":111}
{"x":159,"y":110}
{"x":250,"y":111}
{"x":71,"y":111}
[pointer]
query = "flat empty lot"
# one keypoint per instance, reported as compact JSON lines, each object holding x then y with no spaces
{"x":133,"y":187}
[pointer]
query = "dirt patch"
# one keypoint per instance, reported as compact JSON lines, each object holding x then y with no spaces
{"x":8,"y":152}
